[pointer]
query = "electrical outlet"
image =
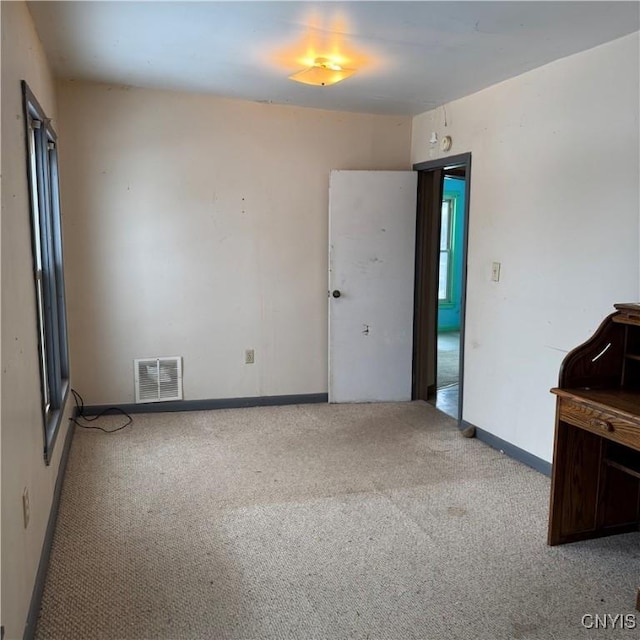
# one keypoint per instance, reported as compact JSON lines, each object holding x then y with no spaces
{"x":26,"y":508}
{"x":249,"y":356}
{"x":495,"y":272}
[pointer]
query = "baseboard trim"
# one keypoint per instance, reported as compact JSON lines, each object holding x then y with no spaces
{"x":206,"y":405}
{"x":36,"y":597}
{"x":510,"y":449}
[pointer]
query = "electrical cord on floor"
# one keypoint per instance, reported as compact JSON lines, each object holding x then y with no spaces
{"x":109,"y":410}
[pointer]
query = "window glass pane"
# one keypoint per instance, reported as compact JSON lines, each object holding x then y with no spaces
{"x":56,"y":240}
{"x":33,"y":179}
{"x":43,"y":343}
{"x":443,"y":282}
{"x":445,"y":225}
{"x":446,"y":248}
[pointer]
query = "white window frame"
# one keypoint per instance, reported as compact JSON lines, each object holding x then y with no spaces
{"x":46,"y":233}
{"x":447,"y":247}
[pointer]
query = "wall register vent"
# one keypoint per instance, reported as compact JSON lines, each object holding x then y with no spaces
{"x":158,"y":379}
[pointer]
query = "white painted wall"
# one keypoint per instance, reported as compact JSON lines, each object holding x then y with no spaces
{"x":22,"y":432}
{"x":197,"y":226}
{"x":554,"y":198}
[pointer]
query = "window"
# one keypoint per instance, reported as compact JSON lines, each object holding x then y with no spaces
{"x":46,"y":233}
{"x":445,"y":282}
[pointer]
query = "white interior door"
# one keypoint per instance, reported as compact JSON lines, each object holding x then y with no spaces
{"x":372,"y":221}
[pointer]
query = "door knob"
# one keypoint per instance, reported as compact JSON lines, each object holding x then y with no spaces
{"x":336,"y":293}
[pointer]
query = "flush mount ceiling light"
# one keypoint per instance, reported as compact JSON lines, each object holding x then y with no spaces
{"x":323,"y":72}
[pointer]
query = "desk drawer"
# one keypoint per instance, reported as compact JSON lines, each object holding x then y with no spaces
{"x":600,"y":422}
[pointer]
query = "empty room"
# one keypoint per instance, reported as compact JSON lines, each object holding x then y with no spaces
{"x":320,"y":320}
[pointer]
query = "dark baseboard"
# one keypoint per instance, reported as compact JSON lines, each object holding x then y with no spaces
{"x":510,"y":449}
{"x":36,"y":596}
{"x":206,"y":405}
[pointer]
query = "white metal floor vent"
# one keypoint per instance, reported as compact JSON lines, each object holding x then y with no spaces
{"x":158,"y":379}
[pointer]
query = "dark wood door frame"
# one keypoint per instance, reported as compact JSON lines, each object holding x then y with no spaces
{"x":425,"y":334}
{"x":425,"y":310}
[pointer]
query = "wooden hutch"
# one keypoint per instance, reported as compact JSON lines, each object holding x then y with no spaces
{"x":595,"y":486}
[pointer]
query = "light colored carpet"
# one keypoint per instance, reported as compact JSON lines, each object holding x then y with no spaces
{"x":318,"y":521}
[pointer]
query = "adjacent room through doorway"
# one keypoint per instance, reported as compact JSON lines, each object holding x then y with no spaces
{"x":450,"y":276}
{"x":439,"y":313}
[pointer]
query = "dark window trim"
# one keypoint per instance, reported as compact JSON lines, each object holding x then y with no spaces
{"x":45,"y":216}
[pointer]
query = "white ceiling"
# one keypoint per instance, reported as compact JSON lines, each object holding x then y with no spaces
{"x":410,"y":56}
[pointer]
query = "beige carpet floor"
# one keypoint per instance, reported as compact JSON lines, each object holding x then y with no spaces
{"x":316,"y":522}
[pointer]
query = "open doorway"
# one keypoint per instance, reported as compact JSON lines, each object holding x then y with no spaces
{"x":439,"y":314}
{"x":450,"y":272}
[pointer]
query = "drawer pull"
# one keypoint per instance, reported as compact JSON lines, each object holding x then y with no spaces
{"x":603,"y":425}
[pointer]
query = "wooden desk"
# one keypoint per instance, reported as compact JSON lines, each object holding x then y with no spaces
{"x":596,"y":465}
{"x":595,"y":485}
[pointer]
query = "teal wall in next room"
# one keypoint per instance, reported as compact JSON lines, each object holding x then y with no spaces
{"x":449,"y":312}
